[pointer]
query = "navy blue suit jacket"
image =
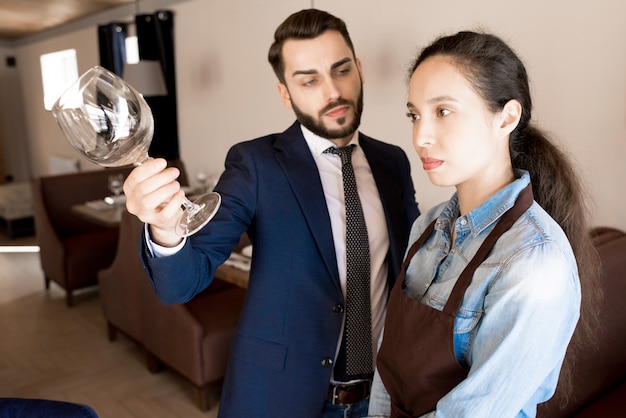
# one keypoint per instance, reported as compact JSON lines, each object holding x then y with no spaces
{"x":271,"y":188}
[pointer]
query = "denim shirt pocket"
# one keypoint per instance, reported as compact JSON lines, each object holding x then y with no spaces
{"x":465,"y":328}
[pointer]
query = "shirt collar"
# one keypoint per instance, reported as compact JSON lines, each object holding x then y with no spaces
{"x":318,"y":145}
{"x":484,"y":215}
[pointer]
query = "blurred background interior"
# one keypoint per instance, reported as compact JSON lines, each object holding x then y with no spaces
{"x":210,"y":86}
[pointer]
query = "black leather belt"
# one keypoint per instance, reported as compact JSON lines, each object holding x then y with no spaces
{"x":347,"y":394}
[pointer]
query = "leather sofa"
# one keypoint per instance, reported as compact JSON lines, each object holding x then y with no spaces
{"x":599,"y":378}
{"x":192,"y":338}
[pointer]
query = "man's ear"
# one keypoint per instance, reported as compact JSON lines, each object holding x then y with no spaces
{"x":283,"y":91}
{"x":360,"y":68}
{"x":510,"y":116}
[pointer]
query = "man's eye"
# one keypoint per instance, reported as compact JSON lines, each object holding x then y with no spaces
{"x":309,"y":83}
{"x":412,"y":116}
{"x":443,"y":112}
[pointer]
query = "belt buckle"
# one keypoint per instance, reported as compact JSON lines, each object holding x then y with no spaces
{"x":363,"y":385}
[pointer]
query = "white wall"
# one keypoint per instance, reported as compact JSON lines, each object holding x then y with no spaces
{"x":227,"y":90}
{"x":45,"y":138}
{"x":575,"y":55}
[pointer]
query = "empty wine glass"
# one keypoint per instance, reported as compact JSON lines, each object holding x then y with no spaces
{"x":110,"y":124}
{"x":203,"y":180}
{"x":116,"y":183}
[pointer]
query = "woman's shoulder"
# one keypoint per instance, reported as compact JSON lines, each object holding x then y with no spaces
{"x":537,"y":226}
{"x":538,"y":242}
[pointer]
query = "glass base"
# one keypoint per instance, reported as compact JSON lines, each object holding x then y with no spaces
{"x":191,"y":222}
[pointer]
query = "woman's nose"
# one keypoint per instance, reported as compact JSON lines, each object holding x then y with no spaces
{"x":422,"y":134}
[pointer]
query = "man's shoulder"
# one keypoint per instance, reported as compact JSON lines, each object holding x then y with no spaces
{"x":270,"y":139}
{"x":375,"y":141}
{"x":379,"y":146}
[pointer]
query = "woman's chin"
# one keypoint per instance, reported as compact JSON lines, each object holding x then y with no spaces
{"x":438,"y":180}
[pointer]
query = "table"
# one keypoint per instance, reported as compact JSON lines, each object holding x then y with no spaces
{"x":233,"y":275}
{"x":102,"y":214}
{"x":111,"y":216}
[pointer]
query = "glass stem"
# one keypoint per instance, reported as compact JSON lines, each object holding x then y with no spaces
{"x":188,"y":205}
{"x":191,"y":207}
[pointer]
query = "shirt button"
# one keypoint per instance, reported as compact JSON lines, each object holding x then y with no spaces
{"x":338,"y":308}
{"x":327,"y":362}
{"x":463,"y":221}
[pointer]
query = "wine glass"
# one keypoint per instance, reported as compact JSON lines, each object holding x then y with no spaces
{"x":116,"y":183}
{"x":110,"y":124}
{"x":203,"y":180}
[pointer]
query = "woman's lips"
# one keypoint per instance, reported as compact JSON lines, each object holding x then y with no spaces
{"x":430,"y":163}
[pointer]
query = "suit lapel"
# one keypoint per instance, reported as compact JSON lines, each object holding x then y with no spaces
{"x":382,"y":171}
{"x":295,"y":158}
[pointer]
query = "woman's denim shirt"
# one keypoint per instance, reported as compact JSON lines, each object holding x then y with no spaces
{"x":517,"y":316}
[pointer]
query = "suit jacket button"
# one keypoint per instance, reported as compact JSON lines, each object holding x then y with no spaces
{"x":338,"y":308}
{"x":327,"y":362}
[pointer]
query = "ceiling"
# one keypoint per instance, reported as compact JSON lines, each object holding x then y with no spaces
{"x":23,"y":18}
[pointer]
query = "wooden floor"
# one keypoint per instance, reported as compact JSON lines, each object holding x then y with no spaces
{"x":50,"y":351}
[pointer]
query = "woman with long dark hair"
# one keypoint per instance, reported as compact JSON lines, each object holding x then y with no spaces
{"x":480,"y":319}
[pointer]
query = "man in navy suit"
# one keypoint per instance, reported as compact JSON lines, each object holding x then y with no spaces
{"x":287,"y":194}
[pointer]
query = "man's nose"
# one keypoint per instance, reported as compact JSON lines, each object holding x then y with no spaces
{"x":331,"y":90}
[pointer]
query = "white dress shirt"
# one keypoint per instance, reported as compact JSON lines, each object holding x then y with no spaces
{"x":329,"y":167}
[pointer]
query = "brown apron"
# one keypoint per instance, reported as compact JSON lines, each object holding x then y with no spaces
{"x":416,"y":359}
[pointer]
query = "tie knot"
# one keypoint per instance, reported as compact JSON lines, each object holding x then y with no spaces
{"x":344,"y":152}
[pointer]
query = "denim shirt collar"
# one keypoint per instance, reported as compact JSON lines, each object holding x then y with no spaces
{"x":490,"y":211}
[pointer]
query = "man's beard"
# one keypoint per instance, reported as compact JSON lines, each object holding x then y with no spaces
{"x":317,"y":126}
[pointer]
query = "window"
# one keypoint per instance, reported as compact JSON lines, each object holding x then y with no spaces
{"x":58,"y":71}
{"x":132,"y":50}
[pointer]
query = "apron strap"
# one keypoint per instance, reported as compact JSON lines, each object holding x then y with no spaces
{"x":522,"y":203}
{"x":417,"y":244}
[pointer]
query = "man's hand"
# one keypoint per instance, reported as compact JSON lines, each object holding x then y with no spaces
{"x":155,"y":197}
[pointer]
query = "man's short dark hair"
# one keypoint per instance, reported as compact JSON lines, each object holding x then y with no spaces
{"x":305,"y":24}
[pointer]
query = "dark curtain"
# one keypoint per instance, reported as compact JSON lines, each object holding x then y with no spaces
{"x":111,"y":39}
{"x":156,"y":43}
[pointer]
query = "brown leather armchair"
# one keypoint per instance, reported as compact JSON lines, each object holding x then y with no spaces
{"x":192,"y":338}
{"x":72,"y":249}
{"x":599,"y":378}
